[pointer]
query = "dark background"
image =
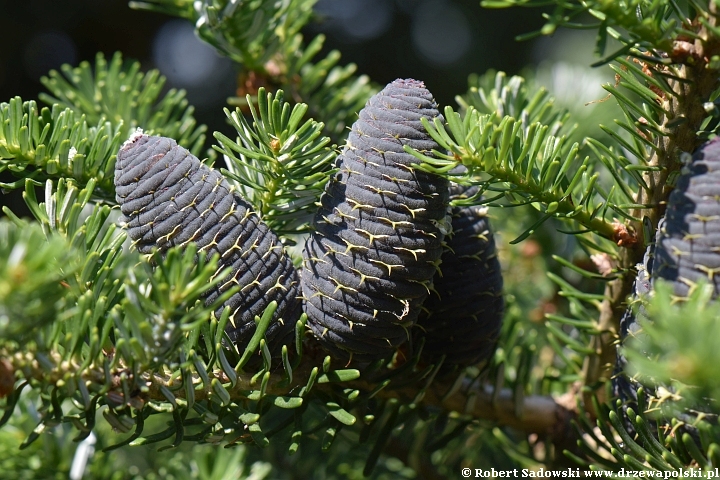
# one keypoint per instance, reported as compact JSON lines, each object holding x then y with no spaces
{"x":387,"y":39}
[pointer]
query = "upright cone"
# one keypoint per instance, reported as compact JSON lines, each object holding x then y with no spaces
{"x":463,"y":316}
{"x":170,"y":198}
{"x":378,"y":236}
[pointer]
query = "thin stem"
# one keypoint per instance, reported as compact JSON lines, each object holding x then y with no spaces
{"x":541,"y":414}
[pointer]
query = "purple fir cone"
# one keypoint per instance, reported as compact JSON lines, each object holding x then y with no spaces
{"x":170,"y":198}
{"x":462,"y":317}
{"x":378,"y":236}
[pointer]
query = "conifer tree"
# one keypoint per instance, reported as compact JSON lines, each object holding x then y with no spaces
{"x":280,"y":330}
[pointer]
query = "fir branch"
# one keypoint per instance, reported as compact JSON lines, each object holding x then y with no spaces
{"x":529,"y":164}
{"x":640,"y":24}
{"x":494,"y":93}
{"x":34,"y":271}
{"x":250,"y":33}
{"x":119,"y":93}
{"x":264,"y":39}
{"x":138,"y":342}
{"x":280,"y":163}
{"x":670,"y":352}
{"x":538,"y":414}
{"x":55,"y":143}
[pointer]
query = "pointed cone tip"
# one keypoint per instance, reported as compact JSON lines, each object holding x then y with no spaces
{"x":135,"y":135}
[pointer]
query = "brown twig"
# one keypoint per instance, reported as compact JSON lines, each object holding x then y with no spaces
{"x":536,"y":414}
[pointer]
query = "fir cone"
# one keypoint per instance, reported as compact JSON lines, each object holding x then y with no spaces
{"x":378,"y":234}
{"x":688,"y":246}
{"x":687,"y":249}
{"x":170,"y":198}
{"x":462,"y":317}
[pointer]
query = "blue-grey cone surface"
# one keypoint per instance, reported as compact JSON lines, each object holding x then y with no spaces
{"x":170,"y":198}
{"x":462,"y":317}
{"x":686,"y":248}
{"x":369,"y":264}
{"x":688,"y":245}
